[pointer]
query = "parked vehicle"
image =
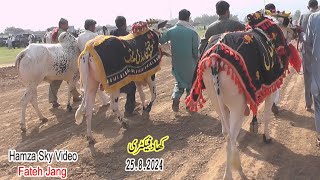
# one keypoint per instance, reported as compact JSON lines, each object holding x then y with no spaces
{"x":20,"y":40}
{"x":3,"y":41}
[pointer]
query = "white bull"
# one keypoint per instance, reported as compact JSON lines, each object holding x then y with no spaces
{"x":47,"y":62}
{"x":90,"y":82}
{"x":231,"y":106}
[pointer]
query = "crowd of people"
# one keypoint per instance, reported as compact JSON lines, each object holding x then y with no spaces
{"x":185,"y":54}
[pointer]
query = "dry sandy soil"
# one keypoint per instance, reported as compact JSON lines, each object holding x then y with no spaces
{"x":195,"y":150}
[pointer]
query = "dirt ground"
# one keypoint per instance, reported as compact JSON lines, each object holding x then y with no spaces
{"x":195,"y":150}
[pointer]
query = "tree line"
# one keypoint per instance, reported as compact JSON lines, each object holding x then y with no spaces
{"x":203,"y":20}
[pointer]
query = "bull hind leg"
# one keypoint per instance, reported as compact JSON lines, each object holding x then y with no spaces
{"x":89,"y":101}
{"x":34,"y":102}
{"x":26,"y":98}
{"x":115,"y":108}
{"x":71,"y":86}
{"x":143,"y":99}
{"x":235,"y":121}
{"x":141,"y":94}
{"x":266,"y":117}
{"x":152,"y":87}
{"x":209,"y":82}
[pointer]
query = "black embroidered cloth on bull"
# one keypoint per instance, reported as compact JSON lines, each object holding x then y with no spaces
{"x":125,"y":59}
{"x":255,"y":59}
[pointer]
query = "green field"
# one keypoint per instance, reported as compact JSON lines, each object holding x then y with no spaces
{"x":8,"y":56}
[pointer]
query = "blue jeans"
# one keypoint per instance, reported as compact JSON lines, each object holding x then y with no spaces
{"x":178,"y":92}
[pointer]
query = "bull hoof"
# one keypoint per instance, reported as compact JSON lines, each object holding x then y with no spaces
{"x":91,"y":140}
{"x":145,"y":115}
{"x":275,"y":109}
{"x":69,"y":108}
{"x":125,"y":125}
{"x":44,"y":120}
{"x":23,"y":129}
{"x":254,"y":127}
{"x":265,"y":140}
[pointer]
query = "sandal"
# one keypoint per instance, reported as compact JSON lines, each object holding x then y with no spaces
{"x":318,"y":142}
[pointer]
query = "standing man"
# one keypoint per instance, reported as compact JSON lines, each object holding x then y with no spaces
{"x":307,"y":53}
{"x":272,"y":8}
{"x":224,"y":23}
{"x":47,"y":37}
{"x":312,"y":42}
{"x":184,"y":46}
{"x":88,"y":34}
{"x":55,"y":85}
{"x":30,"y":39}
{"x":9,"y":42}
{"x":129,"y":89}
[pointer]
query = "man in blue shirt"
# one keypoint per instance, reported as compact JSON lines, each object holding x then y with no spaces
{"x":184,"y":46}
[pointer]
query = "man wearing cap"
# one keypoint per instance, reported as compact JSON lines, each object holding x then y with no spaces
{"x":307,"y":53}
{"x":55,"y":85}
{"x":184,"y":47}
{"x":312,"y":43}
{"x":129,"y":89}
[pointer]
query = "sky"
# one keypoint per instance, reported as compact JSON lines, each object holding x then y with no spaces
{"x":41,"y":14}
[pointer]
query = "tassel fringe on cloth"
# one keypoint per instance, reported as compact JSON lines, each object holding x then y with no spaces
{"x":256,"y":59}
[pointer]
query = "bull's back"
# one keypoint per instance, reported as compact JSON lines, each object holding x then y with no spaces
{"x":40,"y":62}
{"x":31,"y":65}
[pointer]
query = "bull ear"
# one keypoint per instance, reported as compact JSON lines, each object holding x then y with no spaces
{"x":162,"y":24}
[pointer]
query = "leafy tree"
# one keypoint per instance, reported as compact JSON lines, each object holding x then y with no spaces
{"x":13,"y":30}
{"x":205,"y":19}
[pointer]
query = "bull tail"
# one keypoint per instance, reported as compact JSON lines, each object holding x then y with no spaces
{"x":18,"y":60}
{"x":84,"y":73}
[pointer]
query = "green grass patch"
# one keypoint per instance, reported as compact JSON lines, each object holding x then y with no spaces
{"x":8,"y":56}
